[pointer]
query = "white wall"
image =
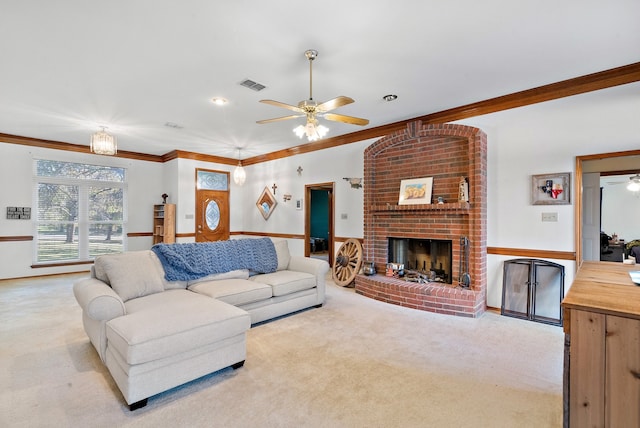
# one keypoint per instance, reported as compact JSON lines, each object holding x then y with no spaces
{"x":180,"y":182}
{"x":538,"y":139}
{"x":325,"y":166}
{"x":16,"y":189}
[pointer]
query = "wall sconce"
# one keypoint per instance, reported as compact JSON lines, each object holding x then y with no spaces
{"x":356,"y":183}
{"x":299,"y":170}
{"x":286,"y":197}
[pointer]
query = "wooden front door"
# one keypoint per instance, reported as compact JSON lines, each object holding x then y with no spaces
{"x":212,"y":205}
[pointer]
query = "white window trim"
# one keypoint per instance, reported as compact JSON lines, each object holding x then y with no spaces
{"x":83,"y":210}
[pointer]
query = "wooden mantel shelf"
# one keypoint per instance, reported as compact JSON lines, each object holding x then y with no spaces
{"x":453,"y":208}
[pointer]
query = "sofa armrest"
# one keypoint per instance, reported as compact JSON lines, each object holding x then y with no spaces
{"x":316,"y":267}
{"x":98,"y":301}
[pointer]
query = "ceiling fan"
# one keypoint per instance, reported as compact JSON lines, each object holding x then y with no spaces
{"x":633,"y":184}
{"x":312,"y":110}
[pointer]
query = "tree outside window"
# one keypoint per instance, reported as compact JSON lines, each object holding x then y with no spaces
{"x":80,"y":210}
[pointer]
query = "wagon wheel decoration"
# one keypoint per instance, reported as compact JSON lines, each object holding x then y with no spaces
{"x":348,"y":262}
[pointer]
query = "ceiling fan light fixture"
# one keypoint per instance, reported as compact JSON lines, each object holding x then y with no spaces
{"x":103,"y":143}
{"x":634,"y":185}
{"x":311,"y":109}
{"x":312,"y":130}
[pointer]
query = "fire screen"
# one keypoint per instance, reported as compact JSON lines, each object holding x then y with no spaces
{"x":533,"y":289}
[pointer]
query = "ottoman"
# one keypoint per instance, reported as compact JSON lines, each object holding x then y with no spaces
{"x":170,"y":338}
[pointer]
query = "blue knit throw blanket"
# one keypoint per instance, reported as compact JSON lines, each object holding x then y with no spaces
{"x":184,"y":262}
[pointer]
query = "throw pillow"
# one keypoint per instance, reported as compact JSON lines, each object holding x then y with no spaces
{"x":282,"y":252}
{"x":132,"y":274}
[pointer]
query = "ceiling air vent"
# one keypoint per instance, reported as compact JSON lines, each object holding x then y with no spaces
{"x":247,"y":83}
{"x":173,"y":125}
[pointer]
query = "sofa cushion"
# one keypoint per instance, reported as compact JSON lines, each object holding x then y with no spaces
{"x":234,"y":274}
{"x":286,"y":281}
{"x":131,"y":274}
{"x":97,"y":271}
{"x":233,"y":291}
{"x":175,"y":321}
{"x":174,"y":285}
{"x":282,"y":252}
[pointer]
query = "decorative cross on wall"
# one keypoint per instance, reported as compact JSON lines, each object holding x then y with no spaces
{"x":274,"y":187}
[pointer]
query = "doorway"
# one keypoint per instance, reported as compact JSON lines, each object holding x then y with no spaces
{"x":602,"y":164}
{"x":318,"y":224}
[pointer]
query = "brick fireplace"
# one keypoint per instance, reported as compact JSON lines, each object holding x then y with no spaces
{"x":445,"y":152}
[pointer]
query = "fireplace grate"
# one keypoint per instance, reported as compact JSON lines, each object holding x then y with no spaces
{"x":429,"y":257}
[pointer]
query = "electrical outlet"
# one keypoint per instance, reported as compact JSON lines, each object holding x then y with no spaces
{"x":344,"y":216}
{"x":549,"y":216}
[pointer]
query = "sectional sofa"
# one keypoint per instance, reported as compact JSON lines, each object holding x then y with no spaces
{"x":155,"y":333}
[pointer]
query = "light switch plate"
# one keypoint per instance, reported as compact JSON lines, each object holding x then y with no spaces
{"x":549,"y":216}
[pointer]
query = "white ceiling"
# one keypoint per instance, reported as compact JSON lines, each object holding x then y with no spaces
{"x":69,"y":66}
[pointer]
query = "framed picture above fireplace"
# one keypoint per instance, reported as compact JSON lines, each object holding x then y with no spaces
{"x":551,"y":189}
{"x":415,"y":191}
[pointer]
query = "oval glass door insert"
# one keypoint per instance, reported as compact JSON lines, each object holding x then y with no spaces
{"x":212,"y":215}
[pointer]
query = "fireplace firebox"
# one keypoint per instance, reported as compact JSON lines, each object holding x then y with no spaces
{"x":427,"y":256}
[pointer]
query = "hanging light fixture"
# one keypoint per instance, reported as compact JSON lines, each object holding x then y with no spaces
{"x":239,"y":176}
{"x":312,"y":130}
{"x":103,"y":143}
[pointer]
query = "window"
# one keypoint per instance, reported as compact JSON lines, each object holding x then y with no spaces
{"x":212,"y":180}
{"x":80,"y":211}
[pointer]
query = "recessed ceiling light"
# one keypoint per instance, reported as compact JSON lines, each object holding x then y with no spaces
{"x":390,"y":97}
{"x":219,"y":101}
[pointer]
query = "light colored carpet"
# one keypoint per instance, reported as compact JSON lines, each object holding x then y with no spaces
{"x":355,"y":362}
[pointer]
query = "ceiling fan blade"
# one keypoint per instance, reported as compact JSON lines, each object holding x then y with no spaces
{"x":278,"y":119}
{"x":283,"y":105}
{"x":346,"y":119}
{"x":334,"y":103}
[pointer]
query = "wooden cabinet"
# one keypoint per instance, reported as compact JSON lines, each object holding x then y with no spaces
{"x":602,"y":325}
{"x":164,"y":224}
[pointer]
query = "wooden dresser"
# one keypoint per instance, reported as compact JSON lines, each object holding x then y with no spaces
{"x":602,"y":358}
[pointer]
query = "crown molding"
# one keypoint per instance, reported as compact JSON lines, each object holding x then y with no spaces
{"x":58,"y":145}
{"x":578,"y":85}
{"x":566,"y":88}
{"x":181,"y":154}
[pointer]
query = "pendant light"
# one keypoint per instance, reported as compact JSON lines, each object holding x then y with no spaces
{"x":239,"y":176}
{"x":103,"y":143}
